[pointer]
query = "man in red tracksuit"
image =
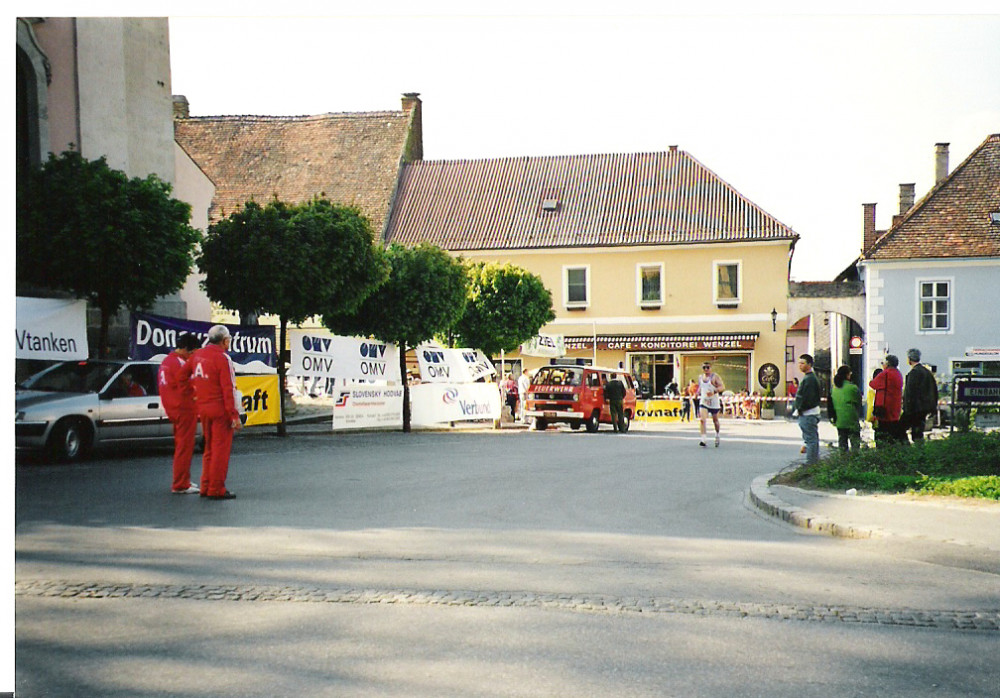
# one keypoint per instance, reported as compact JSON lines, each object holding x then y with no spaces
{"x":211,"y":372}
{"x":177,"y":397}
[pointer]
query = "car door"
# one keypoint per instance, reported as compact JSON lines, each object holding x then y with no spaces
{"x":130,"y":406}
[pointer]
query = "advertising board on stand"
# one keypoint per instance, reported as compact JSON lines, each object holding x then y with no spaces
{"x":442,"y":403}
{"x":51,"y":329}
{"x":440,"y":365}
{"x":323,"y":355}
{"x":368,"y":406}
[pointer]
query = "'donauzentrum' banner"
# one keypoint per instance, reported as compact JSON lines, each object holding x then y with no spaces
{"x":152,"y":337}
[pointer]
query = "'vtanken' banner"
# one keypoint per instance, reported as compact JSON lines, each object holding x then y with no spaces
{"x":51,"y":329}
{"x":152,"y":337}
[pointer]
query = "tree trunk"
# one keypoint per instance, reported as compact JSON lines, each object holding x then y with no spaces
{"x":282,"y":427}
{"x":102,"y":336}
{"x":406,"y":387}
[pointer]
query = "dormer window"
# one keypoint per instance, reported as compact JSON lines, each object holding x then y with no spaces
{"x":550,"y":204}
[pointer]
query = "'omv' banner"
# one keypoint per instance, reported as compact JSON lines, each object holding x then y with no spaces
{"x":152,"y":337}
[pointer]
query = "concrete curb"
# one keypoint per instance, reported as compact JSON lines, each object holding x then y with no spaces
{"x":764,"y":499}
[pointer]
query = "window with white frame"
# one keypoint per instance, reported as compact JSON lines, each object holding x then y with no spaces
{"x":649,"y":285}
{"x":727,"y":286}
{"x":576,"y":286}
{"x":935,"y":305}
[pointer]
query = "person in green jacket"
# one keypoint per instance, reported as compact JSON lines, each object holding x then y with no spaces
{"x":846,"y":400}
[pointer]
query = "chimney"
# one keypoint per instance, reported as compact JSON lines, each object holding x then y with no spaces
{"x":182,"y":109}
{"x":870,"y":234}
{"x":415,"y":139}
{"x":940,"y":162}
{"x":907,"y":193}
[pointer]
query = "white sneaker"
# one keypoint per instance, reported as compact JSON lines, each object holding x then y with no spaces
{"x":192,"y":489}
{"x":716,"y":440}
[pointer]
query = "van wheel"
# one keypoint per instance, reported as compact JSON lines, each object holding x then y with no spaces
{"x":69,"y":441}
{"x":626,"y":422}
{"x":575,"y":424}
{"x":540,"y":424}
{"x":594,"y":422}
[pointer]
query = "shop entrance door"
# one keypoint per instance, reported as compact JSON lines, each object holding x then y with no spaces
{"x":654,"y":373}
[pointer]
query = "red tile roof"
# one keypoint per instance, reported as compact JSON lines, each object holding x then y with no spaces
{"x":350,"y":158}
{"x":953,"y":219}
{"x":598,"y":200}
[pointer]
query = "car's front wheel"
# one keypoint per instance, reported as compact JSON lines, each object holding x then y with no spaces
{"x":540,"y":424}
{"x":69,"y":441}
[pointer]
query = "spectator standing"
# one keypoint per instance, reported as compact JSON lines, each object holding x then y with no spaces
{"x":920,"y":396}
{"x":690,"y":401}
{"x":888,"y":404}
{"x":614,"y":393}
{"x":177,"y":397}
{"x":523,"y":383}
{"x":807,"y":399}
{"x":213,"y":378}
{"x":846,"y":400}
{"x":510,"y":394}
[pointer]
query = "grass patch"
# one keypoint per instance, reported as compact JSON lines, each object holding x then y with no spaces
{"x":964,"y":465}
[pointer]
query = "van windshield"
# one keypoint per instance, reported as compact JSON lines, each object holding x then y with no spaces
{"x":558,"y":375}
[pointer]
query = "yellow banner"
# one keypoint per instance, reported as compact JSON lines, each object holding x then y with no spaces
{"x":658,"y":410}
{"x":261,"y":399}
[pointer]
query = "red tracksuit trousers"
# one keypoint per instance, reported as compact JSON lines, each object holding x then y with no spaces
{"x":218,"y":433}
{"x":185,"y":426}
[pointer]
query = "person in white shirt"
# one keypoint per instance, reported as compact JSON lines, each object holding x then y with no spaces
{"x":710,"y":388}
{"x":523,"y":382}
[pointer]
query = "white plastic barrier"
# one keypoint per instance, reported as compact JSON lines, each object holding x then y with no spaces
{"x":441,"y":403}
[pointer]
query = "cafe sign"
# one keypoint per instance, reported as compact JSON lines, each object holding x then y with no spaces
{"x":666,"y":342}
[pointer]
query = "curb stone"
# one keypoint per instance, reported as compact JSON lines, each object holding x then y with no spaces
{"x":765,"y":500}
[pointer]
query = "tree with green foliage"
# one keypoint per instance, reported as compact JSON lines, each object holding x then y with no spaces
{"x":507,"y":305}
{"x":292,"y":261}
{"x":424,"y":296}
{"x":90,"y":230}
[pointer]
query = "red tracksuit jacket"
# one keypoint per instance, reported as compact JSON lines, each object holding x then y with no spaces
{"x":214,"y":382}
{"x":176,"y":395}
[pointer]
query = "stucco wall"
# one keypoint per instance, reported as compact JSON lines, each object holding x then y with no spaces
{"x":893,"y":322}
{"x":194,"y":188}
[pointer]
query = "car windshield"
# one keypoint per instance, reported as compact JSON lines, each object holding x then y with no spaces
{"x":558,"y":375}
{"x":73,"y":377}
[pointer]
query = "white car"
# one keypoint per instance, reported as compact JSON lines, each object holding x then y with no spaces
{"x":75,"y":405}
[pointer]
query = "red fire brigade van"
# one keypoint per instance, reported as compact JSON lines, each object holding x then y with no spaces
{"x":575,"y":395}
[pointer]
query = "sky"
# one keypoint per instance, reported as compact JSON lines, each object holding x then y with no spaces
{"x":808,"y":116}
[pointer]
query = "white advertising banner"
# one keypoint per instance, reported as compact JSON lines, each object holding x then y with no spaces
{"x":367,"y":406}
{"x":439,"y":365}
{"x":323,"y":355}
{"x":552,"y":346}
{"x":437,"y":403}
{"x":52,"y":329}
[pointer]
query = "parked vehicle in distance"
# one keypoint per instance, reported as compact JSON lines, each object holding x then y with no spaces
{"x":575,"y":395}
{"x":75,"y":405}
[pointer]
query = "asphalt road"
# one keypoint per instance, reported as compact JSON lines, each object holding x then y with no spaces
{"x":458,"y":564}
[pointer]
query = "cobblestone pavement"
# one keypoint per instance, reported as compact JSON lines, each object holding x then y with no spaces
{"x":988,"y":620}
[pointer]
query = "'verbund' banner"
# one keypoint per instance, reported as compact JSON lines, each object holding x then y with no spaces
{"x":51,"y":329}
{"x":152,"y":337}
{"x":367,"y":406}
{"x":322,"y":355}
{"x":437,"y":403}
{"x":261,"y":399}
{"x":439,"y":365}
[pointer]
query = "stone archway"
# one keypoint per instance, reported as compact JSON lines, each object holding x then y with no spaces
{"x":837,"y":313}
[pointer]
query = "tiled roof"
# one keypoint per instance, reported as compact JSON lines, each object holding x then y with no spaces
{"x":953,"y":220}
{"x":350,"y":158}
{"x":597,"y":200}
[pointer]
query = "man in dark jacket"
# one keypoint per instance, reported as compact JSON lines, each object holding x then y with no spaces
{"x":614,"y":393}
{"x":807,"y":406}
{"x":920,"y":396}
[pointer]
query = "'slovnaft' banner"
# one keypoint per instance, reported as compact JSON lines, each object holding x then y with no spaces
{"x":252,"y":348}
{"x":439,"y":365}
{"x":659,"y":410}
{"x":51,"y":329}
{"x":322,"y":355}
{"x":438,"y":403}
{"x":261,"y":399}
{"x":368,"y":406}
